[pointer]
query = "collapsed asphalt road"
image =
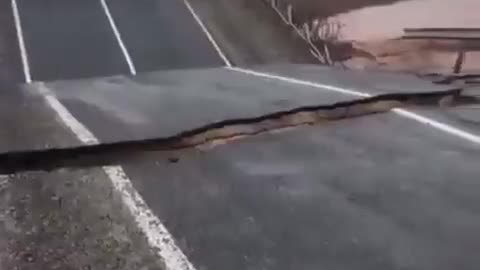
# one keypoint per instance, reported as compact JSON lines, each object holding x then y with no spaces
{"x":227,"y":130}
{"x":205,"y":197}
{"x":391,"y":190}
{"x":78,"y":220}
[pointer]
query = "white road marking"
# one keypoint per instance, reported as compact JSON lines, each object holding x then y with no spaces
{"x":113,"y":25}
{"x":451,"y":130}
{"x":300,"y":82}
{"x":208,"y":34}
{"x":21,"y":42}
{"x":439,"y":125}
{"x":158,"y":237}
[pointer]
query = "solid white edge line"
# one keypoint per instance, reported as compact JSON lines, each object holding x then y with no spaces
{"x":454,"y":131}
{"x":113,"y":25}
{"x":21,"y":42}
{"x":300,"y":82}
{"x":208,"y":34}
{"x":158,"y":237}
{"x":439,"y":125}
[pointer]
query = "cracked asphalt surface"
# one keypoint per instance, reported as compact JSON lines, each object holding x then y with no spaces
{"x":74,"y":219}
{"x":378,"y":192}
{"x":65,"y":219}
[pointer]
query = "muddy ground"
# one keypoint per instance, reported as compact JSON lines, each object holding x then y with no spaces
{"x":369,"y":34}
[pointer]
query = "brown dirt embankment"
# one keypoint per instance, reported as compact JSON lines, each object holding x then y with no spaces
{"x":368,"y":34}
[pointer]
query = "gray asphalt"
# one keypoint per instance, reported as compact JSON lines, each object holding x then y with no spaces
{"x":10,"y":64}
{"x":73,"y":39}
{"x":379,"y":192}
{"x":162,"y":35}
{"x":69,"y":39}
{"x":166,"y":103}
{"x":373,"y":82}
{"x":372,"y":193}
{"x":64,"y":219}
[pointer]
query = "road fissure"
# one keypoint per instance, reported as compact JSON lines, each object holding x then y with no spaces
{"x":104,"y":154}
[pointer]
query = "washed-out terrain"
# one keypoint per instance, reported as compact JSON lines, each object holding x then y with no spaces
{"x":371,"y":34}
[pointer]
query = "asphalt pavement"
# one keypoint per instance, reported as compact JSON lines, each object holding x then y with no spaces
{"x":162,"y":35}
{"x":10,"y":62}
{"x":378,"y":192}
{"x":75,"y":39}
{"x":381,"y":191}
{"x":69,"y":39}
{"x":64,"y":219}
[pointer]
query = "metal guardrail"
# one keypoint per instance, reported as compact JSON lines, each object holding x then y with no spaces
{"x":442,"y":33}
{"x":458,"y":34}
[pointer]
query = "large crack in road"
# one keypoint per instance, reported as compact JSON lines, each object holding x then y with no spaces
{"x":222,"y":131}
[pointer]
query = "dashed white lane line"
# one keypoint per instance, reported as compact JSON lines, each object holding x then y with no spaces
{"x":156,"y":233}
{"x":451,"y":130}
{"x":114,"y":27}
{"x":21,"y":42}
{"x":208,"y":34}
{"x":158,"y":237}
{"x":160,"y":240}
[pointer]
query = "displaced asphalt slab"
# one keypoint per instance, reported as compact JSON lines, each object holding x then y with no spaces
{"x":68,"y":39}
{"x":162,"y":104}
{"x":385,"y":82}
{"x":27,"y":122}
{"x":374,"y":192}
{"x":371,"y":82}
{"x":162,"y":35}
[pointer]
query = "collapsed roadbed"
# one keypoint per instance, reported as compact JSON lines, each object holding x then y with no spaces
{"x":367,"y":34}
{"x":226,"y":130}
{"x":297,"y":150}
